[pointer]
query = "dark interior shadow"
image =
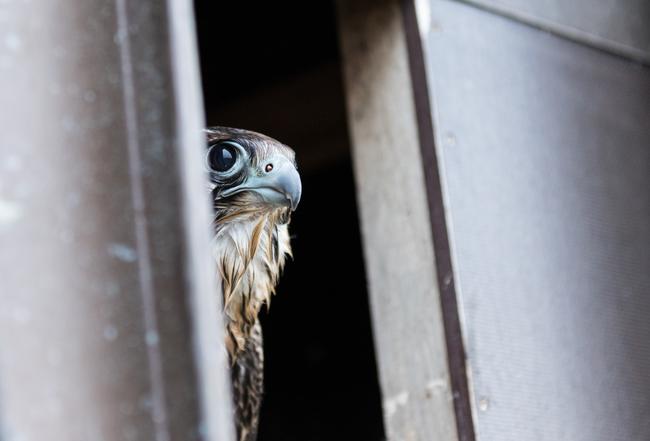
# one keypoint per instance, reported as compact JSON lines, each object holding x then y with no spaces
{"x":275,"y":68}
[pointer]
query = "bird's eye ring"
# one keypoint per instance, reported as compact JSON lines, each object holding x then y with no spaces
{"x":223,"y":155}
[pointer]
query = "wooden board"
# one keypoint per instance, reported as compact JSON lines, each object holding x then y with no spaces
{"x":396,"y":230}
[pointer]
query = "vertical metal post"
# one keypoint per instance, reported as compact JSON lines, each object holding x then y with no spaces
{"x":109,"y":325}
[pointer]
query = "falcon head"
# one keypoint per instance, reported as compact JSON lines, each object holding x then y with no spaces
{"x":250,"y":174}
{"x":255,"y":186}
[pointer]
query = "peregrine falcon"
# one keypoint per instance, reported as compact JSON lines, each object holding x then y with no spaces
{"x":255,"y":186}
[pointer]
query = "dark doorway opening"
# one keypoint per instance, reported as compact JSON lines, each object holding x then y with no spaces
{"x":274,"y":67}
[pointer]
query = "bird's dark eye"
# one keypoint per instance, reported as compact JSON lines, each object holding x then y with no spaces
{"x":222,"y":156}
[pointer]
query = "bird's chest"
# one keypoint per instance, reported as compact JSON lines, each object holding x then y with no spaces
{"x":250,"y":256}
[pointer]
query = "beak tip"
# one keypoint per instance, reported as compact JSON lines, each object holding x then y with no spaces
{"x":294,"y":204}
{"x":293,"y":187}
{"x":294,"y":199}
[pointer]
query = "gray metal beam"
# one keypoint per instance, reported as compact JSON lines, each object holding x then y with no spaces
{"x":109,"y":324}
{"x":545,"y":163}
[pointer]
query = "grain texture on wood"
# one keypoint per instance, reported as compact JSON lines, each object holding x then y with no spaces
{"x":406,"y":312}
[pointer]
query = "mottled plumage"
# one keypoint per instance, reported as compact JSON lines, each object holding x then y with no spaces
{"x":255,"y":187}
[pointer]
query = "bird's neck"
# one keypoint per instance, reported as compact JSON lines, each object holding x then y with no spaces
{"x":250,"y":251}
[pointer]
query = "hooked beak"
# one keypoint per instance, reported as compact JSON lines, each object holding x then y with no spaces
{"x":279,"y":186}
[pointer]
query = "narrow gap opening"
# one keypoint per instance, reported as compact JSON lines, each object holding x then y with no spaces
{"x":275,"y":68}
